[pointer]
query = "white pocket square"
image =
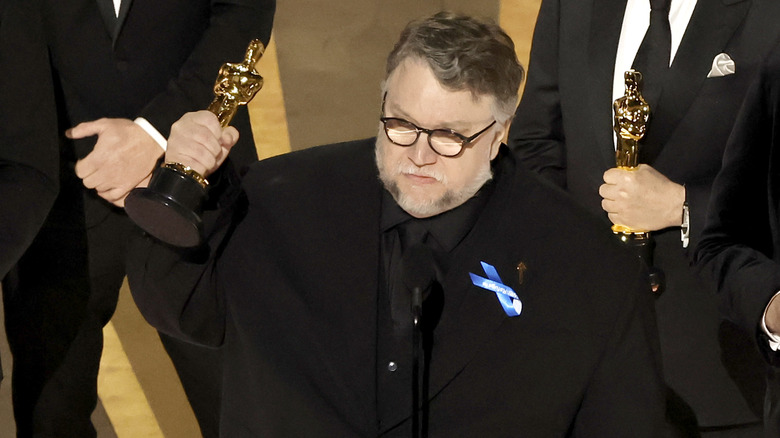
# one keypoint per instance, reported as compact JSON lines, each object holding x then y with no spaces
{"x":722,"y":65}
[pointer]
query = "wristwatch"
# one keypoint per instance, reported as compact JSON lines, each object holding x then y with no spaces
{"x":685,"y":227}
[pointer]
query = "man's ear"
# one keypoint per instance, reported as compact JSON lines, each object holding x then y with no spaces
{"x":502,"y":132}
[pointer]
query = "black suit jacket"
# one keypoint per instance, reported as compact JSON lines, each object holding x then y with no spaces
{"x":563,"y":129}
{"x":28,"y":144}
{"x":740,"y":246}
{"x":290,"y":291}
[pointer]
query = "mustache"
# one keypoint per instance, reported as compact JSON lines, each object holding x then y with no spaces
{"x":411,"y":169}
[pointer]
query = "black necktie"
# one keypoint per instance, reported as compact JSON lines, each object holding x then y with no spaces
{"x":652,"y":58}
{"x":411,"y":233}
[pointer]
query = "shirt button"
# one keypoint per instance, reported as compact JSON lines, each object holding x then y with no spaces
{"x":392,"y":366}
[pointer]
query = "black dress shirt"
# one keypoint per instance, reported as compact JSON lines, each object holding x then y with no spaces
{"x":442,"y":234}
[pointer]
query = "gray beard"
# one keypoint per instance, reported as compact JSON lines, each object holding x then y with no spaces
{"x":449,"y":200}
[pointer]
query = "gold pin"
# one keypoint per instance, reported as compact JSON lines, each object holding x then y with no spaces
{"x":521,"y":267}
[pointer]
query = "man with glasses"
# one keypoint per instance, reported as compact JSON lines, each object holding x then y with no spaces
{"x":314,"y":261}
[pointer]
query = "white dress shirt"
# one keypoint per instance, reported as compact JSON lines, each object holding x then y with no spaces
{"x":774,"y":339}
{"x":635,"y":23}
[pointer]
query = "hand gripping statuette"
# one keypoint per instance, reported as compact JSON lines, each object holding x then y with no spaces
{"x":170,"y":207}
{"x":631,"y":116}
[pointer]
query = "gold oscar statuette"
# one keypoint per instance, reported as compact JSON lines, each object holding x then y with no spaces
{"x":237,"y":84}
{"x":170,"y":207}
{"x":631,"y":116}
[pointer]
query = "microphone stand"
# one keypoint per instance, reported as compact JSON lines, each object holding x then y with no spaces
{"x":419,"y":273}
{"x":416,"y":341}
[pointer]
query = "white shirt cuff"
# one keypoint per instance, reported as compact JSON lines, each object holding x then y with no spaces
{"x":685,"y":226}
{"x":152,"y":131}
{"x":774,"y":339}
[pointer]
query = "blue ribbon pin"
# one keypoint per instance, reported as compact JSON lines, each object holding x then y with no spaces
{"x":506,"y":296}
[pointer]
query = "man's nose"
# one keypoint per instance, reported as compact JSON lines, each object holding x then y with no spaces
{"x":421,"y":152}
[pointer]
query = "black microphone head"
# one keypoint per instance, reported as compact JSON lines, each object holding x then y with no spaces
{"x":418,"y":267}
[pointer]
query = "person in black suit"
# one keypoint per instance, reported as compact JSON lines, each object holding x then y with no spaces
{"x":122,"y":73}
{"x":28,"y":159}
{"x":740,"y":245}
{"x":306,"y":277}
{"x":564,"y":130}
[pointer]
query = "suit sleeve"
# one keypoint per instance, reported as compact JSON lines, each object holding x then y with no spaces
{"x":232,"y":25}
{"x":697,"y":195}
{"x":739,"y":242}
{"x":29,"y":155}
{"x":177,"y":290}
{"x":536,"y":135}
{"x":626,"y":396}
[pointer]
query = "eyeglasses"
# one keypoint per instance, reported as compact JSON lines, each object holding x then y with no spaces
{"x":444,"y":142}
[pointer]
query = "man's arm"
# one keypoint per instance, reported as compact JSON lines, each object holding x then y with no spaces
{"x":740,"y":236}
{"x":536,"y":136}
{"x":125,"y":155}
{"x":177,"y":290}
{"x":29,"y":154}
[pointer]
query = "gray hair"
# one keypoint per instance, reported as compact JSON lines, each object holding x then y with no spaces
{"x":464,"y":53}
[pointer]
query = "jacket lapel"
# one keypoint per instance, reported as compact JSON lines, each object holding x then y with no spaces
{"x":123,"y":9}
{"x":709,"y":30}
{"x":106,"y":8}
{"x":113,"y":23}
{"x":466,"y":329}
{"x":606,"y":22}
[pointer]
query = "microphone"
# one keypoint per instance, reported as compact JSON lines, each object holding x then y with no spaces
{"x":419,"y":272}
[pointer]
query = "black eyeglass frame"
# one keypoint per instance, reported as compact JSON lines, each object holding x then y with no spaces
{"x":464,"y":141}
